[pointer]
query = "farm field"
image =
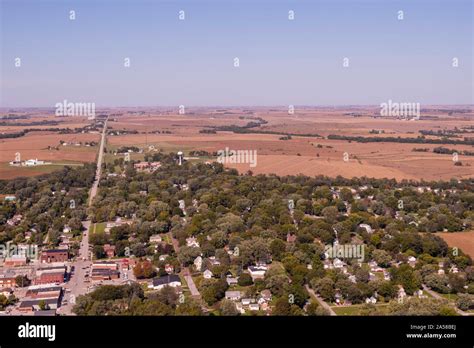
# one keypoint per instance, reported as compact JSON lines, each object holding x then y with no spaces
{"x":308,"y":151}
{"x":45,"y":145}
{"x":461,"y":240}
{"x":310,"y":155}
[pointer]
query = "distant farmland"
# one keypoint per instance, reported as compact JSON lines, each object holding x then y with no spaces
{"x":461,"y":240}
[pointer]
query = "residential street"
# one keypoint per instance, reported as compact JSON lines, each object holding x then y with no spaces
{"x":320,"y":301}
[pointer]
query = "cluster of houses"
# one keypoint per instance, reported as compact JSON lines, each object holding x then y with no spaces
{"x":243,"y":304}
{"x":148,"y":167}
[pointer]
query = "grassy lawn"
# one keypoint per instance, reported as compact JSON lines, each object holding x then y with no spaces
{"x":450,"y":297}
{"x":99,"y":227}
{"x":354,"y":309}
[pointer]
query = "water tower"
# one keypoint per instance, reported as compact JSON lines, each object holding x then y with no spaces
{"x":180,"y":157}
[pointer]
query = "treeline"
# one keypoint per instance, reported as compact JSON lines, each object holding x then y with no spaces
{"x":417,"y":140}
{"x":25,"y":124}
{"x":446,"y":151}
{"x":131,"y":300}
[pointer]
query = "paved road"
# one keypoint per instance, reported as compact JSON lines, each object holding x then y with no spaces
{"x":185,"y":272}
{"x":77,"y":284}
{"x":95,"y":185}
{"x":321,"y":301}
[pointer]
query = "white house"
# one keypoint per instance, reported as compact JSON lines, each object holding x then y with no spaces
{"x":156,"y":238}
{"x":207,"y":274}
{"x":371,"y":300}
{"x":366,"y":227}
{"x":33,"y":162}
{"x":198,"y":263}
{"x":192,"y":242}
{"x":254,"y":306}
{"x":257,"y":272}
{"x":233,"y":295}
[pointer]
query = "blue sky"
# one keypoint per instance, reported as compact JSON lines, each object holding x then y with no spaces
{"x":190,"y":62}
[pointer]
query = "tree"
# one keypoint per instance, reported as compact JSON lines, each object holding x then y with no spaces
{"x":43,"y":305}
{"x":465,"y":302}
{"x":245,"y":280}
{"x":437,"y":282}
{"x":282,"y":307}
{"x":314,"y":309}
{"x":98,"y":251}
{"x":144,"y":269}
{"x":382,"y":257}
{"x":22,"y":281}
{"x":325,"y":287}
{"x":228,"y":308}
{"x":405,"y":276}
{"x":186,"y":254}
{"x":168,"y":296}
{"x":277,"y":248}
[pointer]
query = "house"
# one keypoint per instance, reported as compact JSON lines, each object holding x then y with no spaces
{"x":453,"y":269}
{"x":147,"y":166}
{"x":233,"y":295}
{"x":15,"y":220}
{"x":192,"y":242}
{"x":198,"y":263}
{"x":33,"y":162}
{"x":254,"y":306}
{"x":371,"y":300}
{"x":231,"y":281}
{"x":169,"y":268}
{"x":207,"y":274}
{"x":240,"y":308}
{"x":266,"y":295}
{"x":213,"y":261}
{"x":290,"y":238}
{"x":163,"y":257}
{"x":412,"y":261}
{"x":172,"y":280}
{"x":257,"y":272}
{"x":247,"y":301}
{"x":109,"y":250}
{"x":54,"y":255}
{"x":366,"y":227}
{"x":401,"y":294}
{"x":156,"y":238}
{"x":338,"y":263}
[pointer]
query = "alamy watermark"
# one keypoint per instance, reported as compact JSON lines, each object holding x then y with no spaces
{"x":237,"y":156}
{"x":66,"y":108}
{"x":404,"y":109}
{"x":9,"y":249}
{"x":345,"y":251}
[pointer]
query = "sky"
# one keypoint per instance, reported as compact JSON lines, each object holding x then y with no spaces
{"x":191,"y":62}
